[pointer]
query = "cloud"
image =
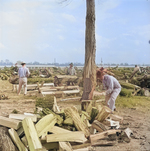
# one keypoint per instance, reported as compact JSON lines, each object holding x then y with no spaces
{"x":61,"y":37}
{"x":69,"y":17}
{"x":1,"y":45}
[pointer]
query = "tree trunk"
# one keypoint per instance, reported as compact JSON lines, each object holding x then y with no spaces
{"x":90,"y":48}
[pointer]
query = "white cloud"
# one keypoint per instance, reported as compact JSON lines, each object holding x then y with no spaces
{"x":1,"y":45}
{"x":68,"y":17}
{"x":61,"y":37}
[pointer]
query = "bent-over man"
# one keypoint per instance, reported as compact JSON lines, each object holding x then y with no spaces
{"x":112,"y":87}
{"x":23,"y":73}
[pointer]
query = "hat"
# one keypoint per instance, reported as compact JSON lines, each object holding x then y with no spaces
{"x":71,"y":63}
{"x":22,"y":63}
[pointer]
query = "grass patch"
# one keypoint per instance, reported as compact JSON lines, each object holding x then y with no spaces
{"x":45,"y":102}
{"x":133,"y":102}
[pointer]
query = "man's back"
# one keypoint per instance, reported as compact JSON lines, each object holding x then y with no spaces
{"x":23,"y":72}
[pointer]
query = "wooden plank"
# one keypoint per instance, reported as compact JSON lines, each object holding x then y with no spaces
{"x":66,"y":77}
{"x":67,"y":137}
{"x":61,"y":92}
{"x":11,"y":123}
{"x":97,"y":137}
{"x":71,"y":99}
{"x":31,"y":135}
{"x":17,"y":140}
{"x":45,"y":124}
{"x":22,"y":116}
{"x":65,"y":146}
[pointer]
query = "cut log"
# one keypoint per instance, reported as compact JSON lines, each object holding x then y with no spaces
{"x":104,"y":143}
{"x":17,"y":140}
{"x":73,"y":113}
{"x":65,"y":146}
{"x":11,"y":123}
{"x":22,"y":116}
{"x":99,"y":126}
{"x":67,"y":137}
{"x":31,"y":135}
{"x":147,"y":93}
{"x":103,"y":114}
{"x":97,"y":137}
{"x":6,"y":143}
{"x":45,"y":124}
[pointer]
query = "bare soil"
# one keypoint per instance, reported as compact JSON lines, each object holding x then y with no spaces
{"x":134,"y":118}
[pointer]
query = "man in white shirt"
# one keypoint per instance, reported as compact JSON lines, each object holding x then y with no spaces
{"x":23,"y":73}
{"x":136,"y":69}
{"x":112,"y":87}
{"x":71,"y":70}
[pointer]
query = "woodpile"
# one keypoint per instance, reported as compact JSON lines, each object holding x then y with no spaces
{"x":50,"y":132}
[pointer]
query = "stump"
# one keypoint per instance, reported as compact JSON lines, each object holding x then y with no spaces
{"x":6,"y":143}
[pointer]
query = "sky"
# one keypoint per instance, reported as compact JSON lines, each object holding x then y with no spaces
{"x":48,"y":30}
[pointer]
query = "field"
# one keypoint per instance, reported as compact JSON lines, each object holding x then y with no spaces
{"x":135,"y":111}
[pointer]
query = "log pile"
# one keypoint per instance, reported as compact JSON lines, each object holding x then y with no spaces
{"x":63,"y":130}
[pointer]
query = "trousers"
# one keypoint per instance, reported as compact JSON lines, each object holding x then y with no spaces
{"x":111,"y":98}
{"x":22,"y":81}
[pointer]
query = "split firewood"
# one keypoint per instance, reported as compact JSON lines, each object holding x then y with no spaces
{"x":11,"y":123}
{"x":67,"y":137}
{"x":73,"y":113}
{"x":94,"y":113}
{"x":55,"y":106}
{"x":17,"y":140}
{"x":45,"y":124}
{"x":58,"y":117}
{"x":65,"y":146}
{"x":103,"y":114}
{"x":95,"y":139}
{"x":22,"y":116}
{"x":99,"y":126}
{"x":116,"y":118}
{"x":31,"y":135}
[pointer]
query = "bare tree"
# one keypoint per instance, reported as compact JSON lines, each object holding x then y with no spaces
{"x":89,"y":72}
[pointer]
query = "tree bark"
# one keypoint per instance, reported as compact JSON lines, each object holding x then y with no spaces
{"x":90,"y":47}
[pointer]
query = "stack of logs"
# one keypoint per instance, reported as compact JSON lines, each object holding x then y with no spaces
{"x":89,"y":128}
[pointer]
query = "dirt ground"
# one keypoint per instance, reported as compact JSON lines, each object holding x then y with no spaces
{"x":134,"y":118}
